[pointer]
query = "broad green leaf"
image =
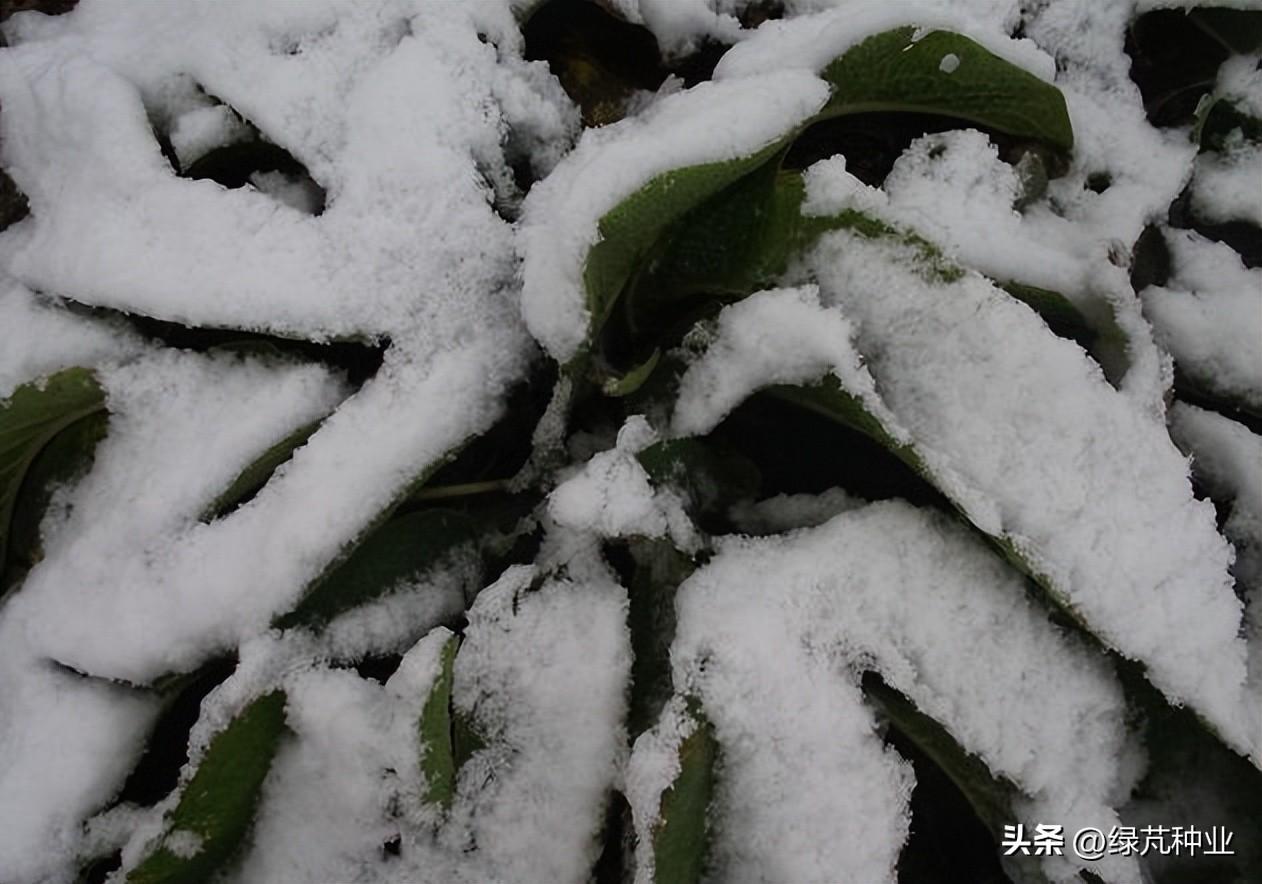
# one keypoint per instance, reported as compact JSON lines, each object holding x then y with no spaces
{"x":30,"y":420}
{"x":217,"y":807}
{"x":742,"y":240}
{"x":991,"y":797}
{"x":255,"y":475}
{"x":947,"y":74}
{"x":67,"y":456}
{"x":438,"y":765}
{"x":629,"y":231}
{"x":400,"y":550}
{"x":679,"y":838}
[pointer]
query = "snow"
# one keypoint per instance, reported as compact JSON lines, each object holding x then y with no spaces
{"x":772,"y":636}
{"x":1225,"y":185}
{"x":384,"y":110}
{"x":181,"y":428}
{"x":812,"y":42}
{"x":1227,"y":458}
{"x":651,"y":769}
{"x":1020,"y":429}
{"x":613,"y":496}
{"x":1209,"y":316}
{"x":749,"y":353}
{"x":609,"y":164}
{"x":197,"y":132}
{"x":542,"y":673}
{"x":66,"y":744}
{"x":986,"y":232}
{"x":409,"y":117}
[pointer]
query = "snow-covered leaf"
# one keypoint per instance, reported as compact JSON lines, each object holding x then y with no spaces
{"x":217,"y":804}
{"x":30,"y":420}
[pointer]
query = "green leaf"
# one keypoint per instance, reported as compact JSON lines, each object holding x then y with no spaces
{"x":712,"y":477}
{"x":400,"y":550}
{"x":679,"y":838}
{"x":30,"y":420}
{"x":255,"y":475}
{"x":991,"y":797}
{"x":218,"y":804}
{"x":630,"y":230}
{"x":1060,"y":314}
{"x":742,"y":240}
{"x":892,"y":71}
{"x":438,"y":764}
{"x":65,"y":458}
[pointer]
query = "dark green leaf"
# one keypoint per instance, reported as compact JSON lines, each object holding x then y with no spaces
{"x":30,"y":420}
{"x":892,"y":72}
{"x":712,"y":477}
{"x":438,"y":765}
{"x":255,"y":475}
{"x":630,"y":230}
{"x":679,"y":839}
{"x":218,"y":804}
{"x":401,"y":550}
{"x":659,"y":569}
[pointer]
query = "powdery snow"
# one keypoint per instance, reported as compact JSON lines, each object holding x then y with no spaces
{"x":613,"y":496}
{"x":1225,"y":185}
{"x":772,"y":636}
{"x":1209,"y":316}
{"x":1020,"y":429}
{"x":542,"y":674}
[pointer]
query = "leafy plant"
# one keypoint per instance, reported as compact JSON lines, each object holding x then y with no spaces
{"x":831,"y":515}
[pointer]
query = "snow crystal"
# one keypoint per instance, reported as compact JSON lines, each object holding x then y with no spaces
{"x":950,"y":63}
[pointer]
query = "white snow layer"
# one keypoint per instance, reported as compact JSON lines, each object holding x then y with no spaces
{"x":613,"y":496}
{"x":772,"y":636}
{"x":1021,"y":430}
{"x":1209,"y":316}
{"x":542,"y":674}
